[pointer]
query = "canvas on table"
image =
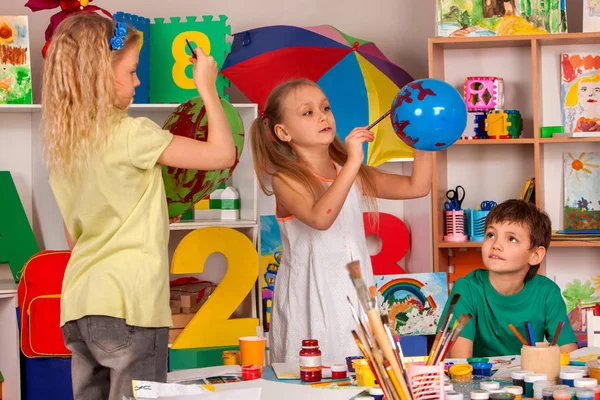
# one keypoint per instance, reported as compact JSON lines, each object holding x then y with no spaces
{"x":580,"y":92}
{"x":582,"y":191}
{"x":467,"y":18}
{"x":15,"y":69}
{"x":413,"y":302}
{"x":270,"y":258}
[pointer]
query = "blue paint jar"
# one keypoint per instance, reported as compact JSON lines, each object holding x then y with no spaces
{"x":568,"y":377}
{"x":585,"y":394}
{"x":483,"y":369}
{"x":377,"y":393}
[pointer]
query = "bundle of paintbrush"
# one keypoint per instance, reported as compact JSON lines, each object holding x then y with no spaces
{"x":375,"y":341}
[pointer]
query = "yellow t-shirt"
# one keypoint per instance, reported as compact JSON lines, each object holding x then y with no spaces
{"x":117,"y":216}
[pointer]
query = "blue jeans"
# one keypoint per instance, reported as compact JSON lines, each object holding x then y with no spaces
{"x":108,"y":354}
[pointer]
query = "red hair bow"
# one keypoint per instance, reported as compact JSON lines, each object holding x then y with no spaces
{"x":67,"y":7}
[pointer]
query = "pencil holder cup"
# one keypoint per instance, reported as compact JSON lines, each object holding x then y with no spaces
{"x":426,"y":382}
{"x":476,"y":224}
{"x":542,"y":359}
{"x":455,"y":226}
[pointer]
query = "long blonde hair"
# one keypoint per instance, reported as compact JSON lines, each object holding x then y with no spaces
{"x":272,"y":155}
{"x":572,"y":98}
{"x":78,"y":90}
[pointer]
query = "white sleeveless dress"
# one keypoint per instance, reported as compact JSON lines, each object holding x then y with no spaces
{"x":309,"y":300}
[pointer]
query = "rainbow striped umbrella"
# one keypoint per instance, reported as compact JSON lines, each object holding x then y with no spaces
{"x":358,"y":79}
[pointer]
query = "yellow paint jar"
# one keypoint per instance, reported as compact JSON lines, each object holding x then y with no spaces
{"x":364,"y":375}
{"x":231,"y":357}
{"x":565,"y":358}
{"x":461,"y":373}
{"x":593,"y":369}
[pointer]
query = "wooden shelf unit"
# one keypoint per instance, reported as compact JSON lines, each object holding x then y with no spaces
{"x":540,"y":49}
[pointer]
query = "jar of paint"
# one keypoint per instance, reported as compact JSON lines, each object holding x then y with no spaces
{"x":454,"y":396}
{"x":568,"y":377}
{"x":561,"y":395}
{"x":502,"y":396}
{"x":310,"y":361}
{"x":530,"y":379}
{"x":585,"y":394}
{"x":495,"y":391}
{"x":483,"y":369}
{"x":547,"y":393}
{"x":349,"y":362}
{"x":565,"y":358}
{"x":518,"y":378}
{"x":480,"y":395}
{"x":516,"y":390}
{"x":475,"y":360}
{"x":448,"y":387}
{"x":364,"y":375}
{"x":251,"y":372}
{"x":231,"y":357}
{"x":538,"y":386}
{"x":585,"y":383}
{"x":597,"y":393}
{"x":461,"y":373}
{"x":542,"y":359}
{"x":489,"y":385}
{"x":339,"y":371}
{"x":376,"y":393}
{"x":593,"y":368}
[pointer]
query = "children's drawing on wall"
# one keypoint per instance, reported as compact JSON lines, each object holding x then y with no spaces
{"x":15,"y":69}
{"x":582,"y":191}
{"x":270,"y":258}
{"x":459,"y":18}
{"x":580,"y":294}
{"x":580,"y":92}
{"x":591,"y":15}
{"x":413,"y":302}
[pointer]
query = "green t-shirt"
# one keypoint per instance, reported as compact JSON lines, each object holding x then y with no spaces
{"x":539,"y":303}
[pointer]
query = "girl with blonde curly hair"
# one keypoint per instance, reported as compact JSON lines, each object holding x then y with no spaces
{"x":105,"y":172}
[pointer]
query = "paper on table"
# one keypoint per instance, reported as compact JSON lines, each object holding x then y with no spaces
{"x":291,"y":370}
{"x":144,"y":390}
{"x":200,"y":373}
{"x":277,"y":391}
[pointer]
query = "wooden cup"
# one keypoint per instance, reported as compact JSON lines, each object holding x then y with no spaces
{"x":542,"y":359}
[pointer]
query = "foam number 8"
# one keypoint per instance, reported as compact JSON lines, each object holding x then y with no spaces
{"x":182,"y":58}
{"x":395,"y":241}
{"x":211,"y":325}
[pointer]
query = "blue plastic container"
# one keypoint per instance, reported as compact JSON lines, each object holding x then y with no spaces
{"x":483,"y":369}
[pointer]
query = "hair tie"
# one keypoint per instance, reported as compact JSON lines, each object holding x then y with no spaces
{"x":262,"y":114}
{"x":117,"y":40}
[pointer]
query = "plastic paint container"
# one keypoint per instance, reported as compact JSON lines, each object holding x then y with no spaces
{"x":250,"y":372}
{"x":530,"y":379}
{"x":568,"y":377}
{"x":561,"y":395}
{"x":585,"y":383}
{"x":461,"y":373}
{"x":565,"y":358}
{"x":479,"y":395}
{"x":475,"y":360}
{"x":231,"y":357}
{"x":547,"y":393}
{"x":339,"y":371}
{"x":349,"y":362}
{"x":593,"y":369}
{"x":454,"y":396}
{"x":483,"y":369}
{"x":538,"y":386}
{"x":516,"y":390}
{"x":518,"y":376}
{"x":502,"y":396}
{"x":448,"y":387}
{"x":585,"y":394}
{"x":489,"y":385}
{"x":376,"y":393}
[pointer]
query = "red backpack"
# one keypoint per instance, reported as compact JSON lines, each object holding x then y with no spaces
{"x":39,"y":304}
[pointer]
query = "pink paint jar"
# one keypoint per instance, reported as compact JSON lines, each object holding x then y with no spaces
{"x":251,"y":372}
{"x":339,"y":371}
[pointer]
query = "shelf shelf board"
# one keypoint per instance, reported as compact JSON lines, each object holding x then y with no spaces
{"x":573,"y":243}
{"x":196,"y":224}
{"x":490,"y":142}
{"x":561,"y":39}
{"x":458,"y":245}
{"x":20,"y":108}
{"x":570,"y":140}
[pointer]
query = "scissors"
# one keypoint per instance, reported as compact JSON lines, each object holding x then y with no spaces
{"x":487,"y":205}
{"x":455,"y":198}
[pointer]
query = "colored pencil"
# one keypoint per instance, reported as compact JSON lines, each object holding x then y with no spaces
{"x":518,"y":335}
{"x":529,"y":330}
{"x":557,"y":333}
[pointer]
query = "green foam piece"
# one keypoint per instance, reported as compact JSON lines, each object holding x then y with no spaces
{"x":162,"y":34}
{"x":17,"y":241}
{"x":549,"y":131}
{"x":197,"y":358}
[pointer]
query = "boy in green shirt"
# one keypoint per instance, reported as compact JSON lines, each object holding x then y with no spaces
{"x":510,"y":291}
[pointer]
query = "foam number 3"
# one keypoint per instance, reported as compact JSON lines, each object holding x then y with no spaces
{"x":182,"y":58}
{"x":395,"y":241}
{"x":211,"y":325}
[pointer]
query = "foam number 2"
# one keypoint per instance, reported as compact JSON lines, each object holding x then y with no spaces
{"x":395,"y":241}
{"x":182,"y":58}
{"x":211,"y":325}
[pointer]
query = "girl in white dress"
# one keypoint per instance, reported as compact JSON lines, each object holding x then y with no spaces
{"x":319,"y":185}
